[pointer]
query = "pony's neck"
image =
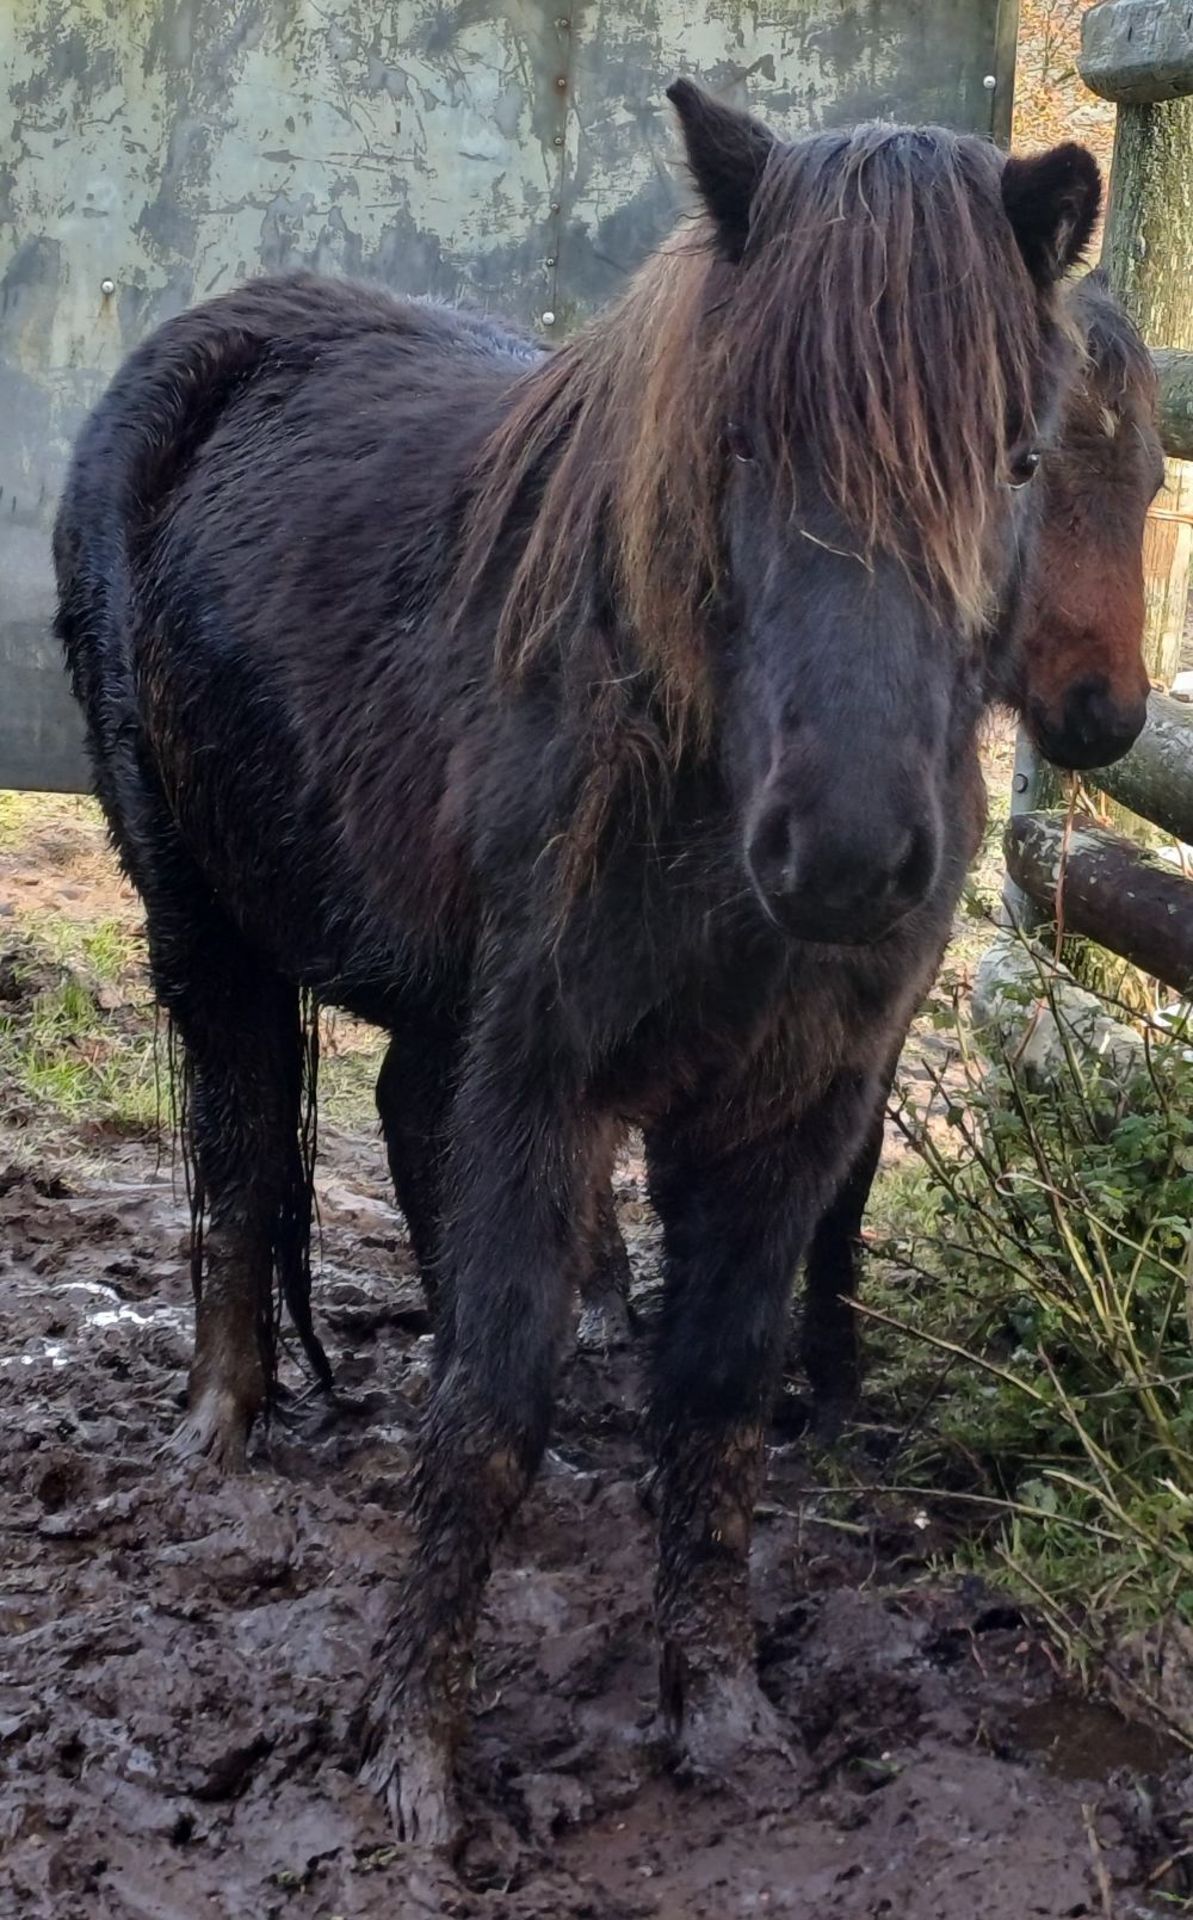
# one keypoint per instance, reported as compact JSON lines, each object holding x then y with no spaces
{"x":597,"y":496}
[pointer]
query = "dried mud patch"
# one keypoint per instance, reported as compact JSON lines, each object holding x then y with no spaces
{"x":181,"y":1658}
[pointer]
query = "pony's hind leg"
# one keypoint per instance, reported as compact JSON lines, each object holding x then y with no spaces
{"x":829,"y":1345}
{"x":414,"y":1089}
{"x":735,"y":1214}
{"x":240,"y":1026}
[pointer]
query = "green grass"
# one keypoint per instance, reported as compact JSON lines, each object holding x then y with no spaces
{"x":110,"y":952}
{"x":78,"y":1040}
{"x":42,"y":816}
{"x":82,"y":1051}
{"x":349,"y":1062}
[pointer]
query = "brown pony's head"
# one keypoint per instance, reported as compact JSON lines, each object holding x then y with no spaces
{"x":777,"y":486}
{"x":1081,"y":683}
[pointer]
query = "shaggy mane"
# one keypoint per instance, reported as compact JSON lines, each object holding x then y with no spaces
{"x":881,"y":324}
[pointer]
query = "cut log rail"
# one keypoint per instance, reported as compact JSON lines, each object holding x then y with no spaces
{"x":1156,"y":778}
{"x":1114,"y":892}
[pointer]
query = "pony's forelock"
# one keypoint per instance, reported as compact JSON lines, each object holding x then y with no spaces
{"x":881,"y":330}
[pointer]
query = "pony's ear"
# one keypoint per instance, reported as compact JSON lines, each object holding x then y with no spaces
{"x":727,"y":152}
{"x":1052,"y":201}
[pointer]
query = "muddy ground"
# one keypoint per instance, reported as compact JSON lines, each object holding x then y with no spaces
{"x":180,"y":1658}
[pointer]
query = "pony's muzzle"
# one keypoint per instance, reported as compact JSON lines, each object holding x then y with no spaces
{"x":847,"y":883}
{"x":1095,"y":725}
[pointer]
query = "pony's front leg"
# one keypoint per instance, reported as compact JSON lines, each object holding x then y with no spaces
{"x":517,"y":1165}
{"x":736,"y":1215}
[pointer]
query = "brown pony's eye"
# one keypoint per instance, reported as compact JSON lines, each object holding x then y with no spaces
{"x":739,"y":441}
{"x":1024,"y":464}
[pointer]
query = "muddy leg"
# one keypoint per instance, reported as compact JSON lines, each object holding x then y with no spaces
{"x":604,"y":1281}
{"x":828,"y":1338}
{"x":413,"y":1100}
{"x":735,"y":1218}
{"x":240,"y":1028}
{"x":516,"y":1167}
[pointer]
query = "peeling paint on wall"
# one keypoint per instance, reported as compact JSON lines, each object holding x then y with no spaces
{"x":510,"y":153}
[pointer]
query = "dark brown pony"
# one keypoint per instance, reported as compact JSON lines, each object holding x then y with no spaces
{"x":1076,"y":673}
{"x":605,"y":721}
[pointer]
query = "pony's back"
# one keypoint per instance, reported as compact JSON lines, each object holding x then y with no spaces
{"x":166,"y":401}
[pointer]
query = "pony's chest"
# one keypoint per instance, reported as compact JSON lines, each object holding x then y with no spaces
{"x":787,"y":1032}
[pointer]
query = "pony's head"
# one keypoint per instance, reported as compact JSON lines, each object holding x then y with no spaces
{"x":882,"y":307}
{"x":778,"y":490}
{"x":1079,"y":677}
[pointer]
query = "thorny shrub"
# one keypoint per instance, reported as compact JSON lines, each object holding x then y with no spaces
{"x":1039,"y":1250}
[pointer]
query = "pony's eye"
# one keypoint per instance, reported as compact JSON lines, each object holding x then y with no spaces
{"x":1024,"y":465}
{"x":738,"y":440}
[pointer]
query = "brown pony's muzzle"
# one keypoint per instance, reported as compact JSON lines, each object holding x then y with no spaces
{"x":1094,"y":725}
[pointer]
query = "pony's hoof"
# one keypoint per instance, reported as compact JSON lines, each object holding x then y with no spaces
{"x":410,"y":1769}
{"x":604,"y":1325}
{"x":831,"y":1415}
{"x":215,"y":1432}
{"x":729,"y":1737}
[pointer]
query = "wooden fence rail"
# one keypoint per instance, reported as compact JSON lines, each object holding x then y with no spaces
{"x":1135,"y":901}
{"x":1155,"y":780}
{"x":1138,"y":52}
{"x":1113,"y":891}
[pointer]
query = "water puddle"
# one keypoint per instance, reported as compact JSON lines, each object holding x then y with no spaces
{"x":1084,"y":1740}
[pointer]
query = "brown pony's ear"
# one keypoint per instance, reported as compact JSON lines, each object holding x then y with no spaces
{"x":1052,"y":201}
{"x":727,"y":152}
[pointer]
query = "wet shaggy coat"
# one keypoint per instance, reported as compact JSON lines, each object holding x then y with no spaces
{"x":578,"y":875}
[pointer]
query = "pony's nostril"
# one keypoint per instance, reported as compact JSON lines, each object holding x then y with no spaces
{"x":914,"y":874}
{"x":772,"y":851}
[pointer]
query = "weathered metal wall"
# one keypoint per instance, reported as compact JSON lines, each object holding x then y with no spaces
{"x":517,"y":153}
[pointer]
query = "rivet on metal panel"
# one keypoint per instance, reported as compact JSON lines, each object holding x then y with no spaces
{"x":561,"y":83}
{"x":1021,"y":783}
{"x":550,"y":260}
{"x":990,"y":82}
{"x":555,"y":203}
{"x":558,"y":140}
{"x":565,"y":26}
{"x":107,"y":288}
{"x":548,"y":318}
